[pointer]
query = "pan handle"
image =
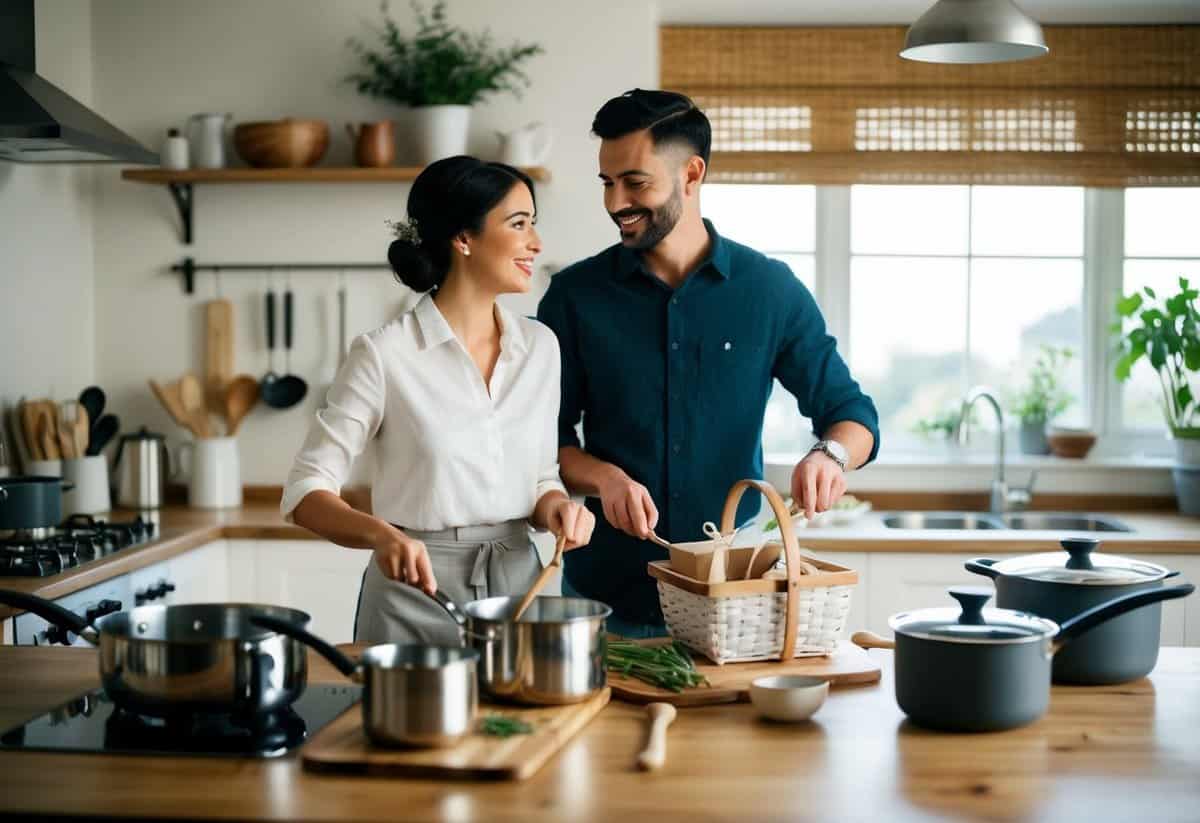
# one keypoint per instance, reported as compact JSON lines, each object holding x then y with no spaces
{"x":982,"y":565}
{"x":51,"y":612}
{"x":870,"y":640}
{"x":1093,"y":617}
{"x":344,"y":664}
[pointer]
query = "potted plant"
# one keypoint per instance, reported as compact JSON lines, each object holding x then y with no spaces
{"x":940,"y":430}
{"x":440,"y":71}
{"x":1042,"y":398}
{"x":1164,"y":331}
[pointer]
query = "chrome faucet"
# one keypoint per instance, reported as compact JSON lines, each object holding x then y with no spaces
{"x":1003,"y":498}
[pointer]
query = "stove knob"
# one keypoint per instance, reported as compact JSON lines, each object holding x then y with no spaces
{"x":57,"y":634}
{"x":142,"y":597}
{"x":109,"y":606}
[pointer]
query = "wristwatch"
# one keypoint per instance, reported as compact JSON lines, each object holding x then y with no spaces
{"x":834,"y":450}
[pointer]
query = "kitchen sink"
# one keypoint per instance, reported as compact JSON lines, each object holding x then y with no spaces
{"x":1024,"y":521}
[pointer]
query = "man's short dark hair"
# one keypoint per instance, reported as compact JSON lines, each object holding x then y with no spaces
{"x":672,"y":118}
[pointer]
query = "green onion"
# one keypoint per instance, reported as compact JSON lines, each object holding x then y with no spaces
{"x":498,"y":725}
{"x":668,"y":666}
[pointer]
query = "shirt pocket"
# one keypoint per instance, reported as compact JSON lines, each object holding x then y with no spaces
{"x":735,"y":372}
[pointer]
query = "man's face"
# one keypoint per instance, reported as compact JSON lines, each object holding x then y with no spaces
{"x":642,"y":188}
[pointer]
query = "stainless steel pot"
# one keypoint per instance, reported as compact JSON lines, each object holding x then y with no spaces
{"x":553,"y":655}
{"x":1061,"y":585}
{"x":171,"y":660}
{"x":31,"y":502}
{"x":976,"y":670}
{"x":413,"y":695}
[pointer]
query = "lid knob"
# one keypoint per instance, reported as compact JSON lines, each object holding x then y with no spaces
{"x":972,"y":600}
{"x":1080,"y":549}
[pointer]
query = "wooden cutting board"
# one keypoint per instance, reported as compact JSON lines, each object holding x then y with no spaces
{"x":218,"y":352}
{"x":730,"y":683}
{"x":342,"y":746}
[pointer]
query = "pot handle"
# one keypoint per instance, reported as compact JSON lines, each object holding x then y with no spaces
{"x":49,"y":611}
{"x":1093,"y":617}
{"x":460,"y":619}
{"x":870,"y":640}
{"x":344,"y":664}
{"x":982,"y":565}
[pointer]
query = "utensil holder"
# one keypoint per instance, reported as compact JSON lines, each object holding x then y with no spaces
{"x":91,"y":493}
{"x":214,"y":474}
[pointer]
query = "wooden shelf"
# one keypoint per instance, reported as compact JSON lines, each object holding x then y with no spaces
{"x":318,"y":174}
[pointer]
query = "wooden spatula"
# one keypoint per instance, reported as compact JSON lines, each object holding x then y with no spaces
{"x":555,"y":563}
{"x":218,"y":352}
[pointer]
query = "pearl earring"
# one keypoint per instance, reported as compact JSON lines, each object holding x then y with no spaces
{"x":466,"y":252}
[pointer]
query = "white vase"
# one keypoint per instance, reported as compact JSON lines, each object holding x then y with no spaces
{"x":1187,"y":451}
{"x":439,"y":132}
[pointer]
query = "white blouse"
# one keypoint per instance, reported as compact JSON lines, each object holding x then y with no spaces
{"x":448,"y":452}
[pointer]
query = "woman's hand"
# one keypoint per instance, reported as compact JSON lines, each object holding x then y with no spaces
{"x":404,"y":559}
{"x":572,"y":521}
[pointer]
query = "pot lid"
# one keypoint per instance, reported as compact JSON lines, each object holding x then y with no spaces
{"x":1081,"y":564}
{"x":972,"y":623}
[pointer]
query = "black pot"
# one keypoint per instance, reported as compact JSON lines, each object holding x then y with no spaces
{"x":980,"y":670}
{"x":1062,"y":585}
{"x":31,"y":502}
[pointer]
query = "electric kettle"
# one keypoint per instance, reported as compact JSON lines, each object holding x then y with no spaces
{"x":141,"y":469}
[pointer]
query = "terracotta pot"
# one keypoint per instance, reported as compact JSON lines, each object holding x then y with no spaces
{"x":281,"y":144}
{"x":374,"y":143}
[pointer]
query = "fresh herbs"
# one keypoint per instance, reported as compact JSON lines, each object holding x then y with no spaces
{"x":497,"y":725}
{"x":668,"y":666}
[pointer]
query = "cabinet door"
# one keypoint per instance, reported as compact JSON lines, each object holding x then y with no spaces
{"x":315,"y":576}
{"x":202,"y":575}
{"x":897,"y":582}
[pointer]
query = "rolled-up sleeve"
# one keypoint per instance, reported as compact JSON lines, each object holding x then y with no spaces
{"x":548,"y":473}
{"x":808,"y":365}
{"x":552,"y":310}
{"x":341,"y":429}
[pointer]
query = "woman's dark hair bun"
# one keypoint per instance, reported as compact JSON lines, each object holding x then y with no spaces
{"x":412,"y":266}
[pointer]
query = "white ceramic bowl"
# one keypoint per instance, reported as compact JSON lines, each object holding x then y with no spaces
{"x":788,"y":698}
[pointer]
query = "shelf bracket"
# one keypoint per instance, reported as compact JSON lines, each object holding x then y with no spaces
{"x":187,"y":267}
{"x":184,"y":197}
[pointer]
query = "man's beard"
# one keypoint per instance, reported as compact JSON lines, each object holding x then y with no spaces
{"x":660,"y":221}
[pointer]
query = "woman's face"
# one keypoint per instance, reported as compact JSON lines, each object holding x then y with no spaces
{"x":503,"y":252}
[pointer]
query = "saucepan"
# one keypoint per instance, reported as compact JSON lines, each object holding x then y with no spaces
{"x":974,"y":669}
{"x":413,"y":694}
{"x":168,"y":660}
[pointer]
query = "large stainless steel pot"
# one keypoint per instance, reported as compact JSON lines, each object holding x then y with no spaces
{"x":553,"y":655}
{"x":977,"y":670}
{"x":170,"y":660}
{"x":1061,"y":585}
{"x":413,"y":695}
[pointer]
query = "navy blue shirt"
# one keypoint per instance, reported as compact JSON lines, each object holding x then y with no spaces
{"x":672,"y":386}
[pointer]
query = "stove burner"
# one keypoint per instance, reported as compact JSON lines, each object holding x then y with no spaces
{"x":213,"y":733}
{"x":43,"y":552}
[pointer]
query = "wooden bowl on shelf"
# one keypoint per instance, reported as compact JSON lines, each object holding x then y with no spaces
{"x":1072,"y":443}
{"x":281,"y":144}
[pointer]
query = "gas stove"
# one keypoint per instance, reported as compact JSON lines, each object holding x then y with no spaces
{"x":80,"y":539}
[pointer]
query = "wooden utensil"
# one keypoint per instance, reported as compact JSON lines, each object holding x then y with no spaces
{"x":67,"y":413}
{"x":191,"y":398}
{"x":47,"y":435}
{"x":218,"y":352}
{"x":168,"y":396}
{"x":870,"y":640}
{"x":241,"y":395}
{"x":29,"y":426}
{"x":81,"y":432}
{"x":555,"y":563}
{"x":654,"y":538}
{"x":660,"y":716}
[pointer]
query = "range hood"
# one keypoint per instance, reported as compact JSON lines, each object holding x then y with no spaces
{"x":39,"y":122}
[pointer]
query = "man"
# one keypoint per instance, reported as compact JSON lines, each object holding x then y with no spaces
{"x":670,"y":342}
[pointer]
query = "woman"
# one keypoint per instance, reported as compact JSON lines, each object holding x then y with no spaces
{"x":460,"y":398}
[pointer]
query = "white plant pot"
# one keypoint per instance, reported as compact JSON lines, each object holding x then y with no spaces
{"x":1187,"y":451}
{"x":439,"y":132}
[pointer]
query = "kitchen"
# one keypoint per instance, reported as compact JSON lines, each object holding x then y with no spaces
{"x":97,"y":292}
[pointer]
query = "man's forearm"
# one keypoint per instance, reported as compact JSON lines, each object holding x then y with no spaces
{"x":583,"y":474}
{"x":856,"y":437}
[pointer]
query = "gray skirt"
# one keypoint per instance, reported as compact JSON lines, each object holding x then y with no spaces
{"x":469,"y":562}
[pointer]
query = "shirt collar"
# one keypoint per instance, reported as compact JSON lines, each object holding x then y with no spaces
{"x":435,"y":330}
{"x":629,"y":261}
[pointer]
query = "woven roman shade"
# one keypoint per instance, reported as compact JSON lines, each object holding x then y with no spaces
{"x":1109,"y":106}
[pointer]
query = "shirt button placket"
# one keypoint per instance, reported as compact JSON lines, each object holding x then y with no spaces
{"x":676,"y":369}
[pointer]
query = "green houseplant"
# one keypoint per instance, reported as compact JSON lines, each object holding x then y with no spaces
{"x":1042,"y":398}
{"x":1166,"y":332}
{"x":440,"y":71}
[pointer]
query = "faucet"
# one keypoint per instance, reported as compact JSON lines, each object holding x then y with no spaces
{"x":1003,"y":498}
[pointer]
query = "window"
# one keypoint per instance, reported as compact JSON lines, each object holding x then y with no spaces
{"x":1162,"y":244}
{"x":956,"y":286}
{"x":779,"y":221}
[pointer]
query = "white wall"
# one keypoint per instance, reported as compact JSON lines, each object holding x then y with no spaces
{"x":46,"y":296}
{"x":157,"y":62}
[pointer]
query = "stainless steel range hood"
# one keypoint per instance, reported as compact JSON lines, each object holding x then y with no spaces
{"x":39,"y":122}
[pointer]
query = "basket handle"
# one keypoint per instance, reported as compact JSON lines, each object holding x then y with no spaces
{"x":791,"y":551}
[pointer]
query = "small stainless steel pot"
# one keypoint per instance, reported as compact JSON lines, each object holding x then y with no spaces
{"x":1061,"y":585}
{"x":978,"y":670}
{"x":554,"y":655}
{"x":413,"y":694}
{"x":170,"y":660}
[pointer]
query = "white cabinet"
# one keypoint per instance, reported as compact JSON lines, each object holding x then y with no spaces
{"x":151,"y":585}
{"x":202,"y":574}
{"x":895,"y":582}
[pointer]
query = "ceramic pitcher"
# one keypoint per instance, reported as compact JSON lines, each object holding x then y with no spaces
{"x":206,"y":139}
{"x":527,"y":146}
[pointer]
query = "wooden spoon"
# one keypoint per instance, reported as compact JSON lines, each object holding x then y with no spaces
{"x":660,"y":716}
{"x":241,"y":395}
{"x":191,"y":396}
{"x":168,"y":396}
{"x":870,"y":640}
{"x":81,"y":431}
{"x":555,"y":562}
{"x":46,"y":435}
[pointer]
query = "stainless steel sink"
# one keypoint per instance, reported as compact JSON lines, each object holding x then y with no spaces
{"x":1064,"y":522}
{"x":940,"y":520}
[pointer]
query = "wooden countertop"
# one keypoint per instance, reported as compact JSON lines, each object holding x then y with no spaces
{"x":182,"y":529}
{"x":1102,"y":753}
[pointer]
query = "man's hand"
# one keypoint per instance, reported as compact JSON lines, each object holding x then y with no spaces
{"x":817,"y":483}
{"x":573,"y":521}
{"x":627,"y":506}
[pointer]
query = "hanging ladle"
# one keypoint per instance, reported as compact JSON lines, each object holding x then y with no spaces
{"x":276,"y":391}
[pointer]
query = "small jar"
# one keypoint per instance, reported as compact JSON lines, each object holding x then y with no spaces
{"x":174,"y":153}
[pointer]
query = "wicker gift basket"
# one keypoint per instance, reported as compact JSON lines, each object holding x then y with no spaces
{"x":778,"y":616}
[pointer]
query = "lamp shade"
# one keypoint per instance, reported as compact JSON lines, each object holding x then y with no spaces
{"x":974,"y":31}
